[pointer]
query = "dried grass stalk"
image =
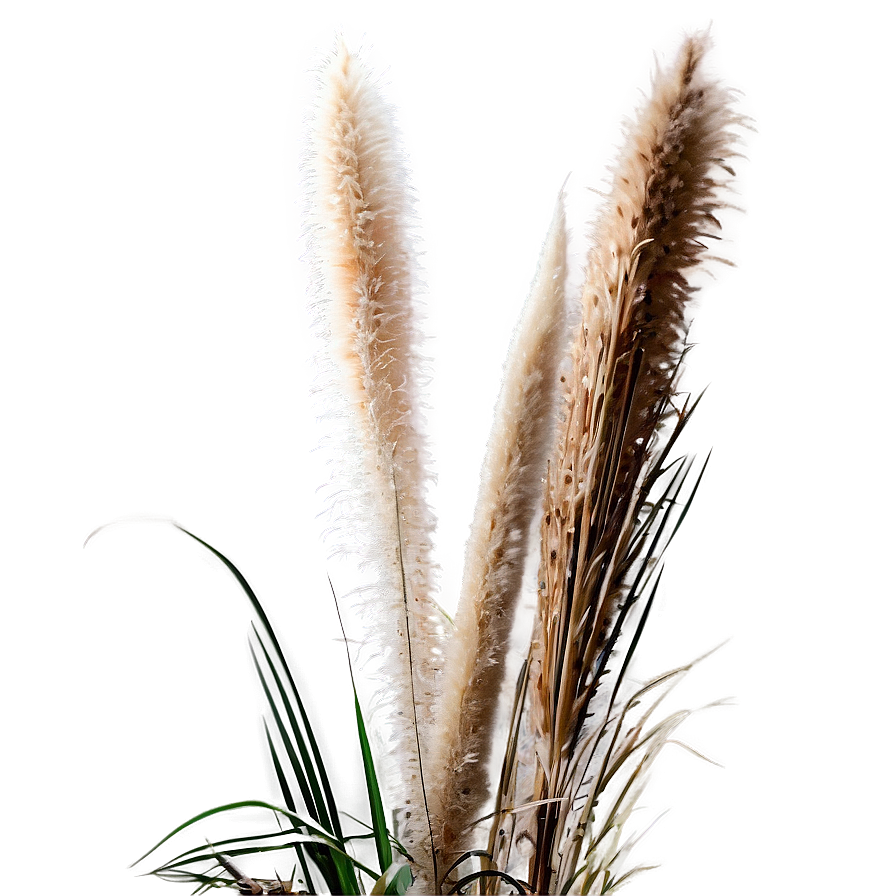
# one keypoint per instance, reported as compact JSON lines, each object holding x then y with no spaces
{"x":661,"y":205}
{"x":365,"y":269}
{"x":522,"y":433}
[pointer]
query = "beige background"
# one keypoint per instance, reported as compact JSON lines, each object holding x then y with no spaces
{"x":153,"y":364}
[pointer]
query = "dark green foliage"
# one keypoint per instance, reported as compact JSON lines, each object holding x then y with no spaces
{"x":309,"y":824}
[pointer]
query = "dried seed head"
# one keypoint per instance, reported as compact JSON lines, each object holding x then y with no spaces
{"x":662,"y":204}
{"x":507,"y":506}
{"x":365,"y":300}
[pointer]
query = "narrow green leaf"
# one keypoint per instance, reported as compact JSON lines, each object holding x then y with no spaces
{"x":288,"y":799}
{"x":324,"y":803}
{"x":374,"y":798}
{"x":396,"y":845}
{"x":335,"y":864}
{"x":302,"y":765}
{"x":255,"y":844}
{"x":278,"y":769}
{"x":325,"y":836}
{"x":297,"y":766}
{"x":306,"y":871}
{"x":396,"y":879}
{"x":564,"y":890}
{"x":377,"y":814}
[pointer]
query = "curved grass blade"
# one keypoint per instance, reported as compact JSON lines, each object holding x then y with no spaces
{"x":299,"y":822}
{"x":377,"y":813}
{"x":469,"y":854}
{"x":395,"y":881}
{"x":321,"y":849}
{"x":310,"y":770}
{"x":287,"y":796}
{"x":567,"y":887}
{"x":622,"y":809}
{"x":312,"y":804}
{"x":338,"y":873}
{"x":614,"y":883}
{"x":316,"y":790}
{"x":273,"y":841}
{"x":623,"y":853}
{"x":396,"y":844}
{"x":518,"y":885}
{"x":204,"y":882}
{"x":278,"y":770}
{"x":320,"y":775}
{"x":374,"y":797}
{"x":658,"y":518}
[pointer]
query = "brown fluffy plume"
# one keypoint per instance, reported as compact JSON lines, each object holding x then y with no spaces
{"x":661,"y":206}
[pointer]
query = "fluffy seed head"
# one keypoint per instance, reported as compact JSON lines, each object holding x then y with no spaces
{"x":361,"y":237}
{"x":661,"y":206}
{"x":509,"y":493}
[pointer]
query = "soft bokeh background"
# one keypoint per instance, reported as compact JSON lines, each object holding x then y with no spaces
{"x":153,"y":363}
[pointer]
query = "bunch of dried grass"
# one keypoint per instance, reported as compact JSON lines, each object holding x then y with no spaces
{"x":578,"y":744}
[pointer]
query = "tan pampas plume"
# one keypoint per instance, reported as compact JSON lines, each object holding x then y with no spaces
{"x":364,"y":259}
{"x":509,"y":490}
{"x":596,"y":528}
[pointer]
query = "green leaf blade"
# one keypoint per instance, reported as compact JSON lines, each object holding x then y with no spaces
{"x":377,"y":813}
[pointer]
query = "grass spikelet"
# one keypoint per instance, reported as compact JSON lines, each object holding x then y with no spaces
{"x":522,"y":433}
{"x":364,"y":259}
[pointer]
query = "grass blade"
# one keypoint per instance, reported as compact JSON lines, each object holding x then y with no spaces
{"x":334,"y":863}
{"x":519,"y":886}
{"x":395,"y":881}
{"x":323,"y":801}
{"x":298,"y":766}
{"x":196,"y":855}
{"x":278,"y":770}
{"x":297,"y":820}
{"x":338,"y":873}
{"x":377,"y":813}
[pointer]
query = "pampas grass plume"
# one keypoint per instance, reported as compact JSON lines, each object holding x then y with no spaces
{"x":661,"y":206}
{"x":365,"y":269}
{"x":510,"y":486}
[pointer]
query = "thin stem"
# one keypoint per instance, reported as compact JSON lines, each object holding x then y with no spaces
{"x":407,"y":617}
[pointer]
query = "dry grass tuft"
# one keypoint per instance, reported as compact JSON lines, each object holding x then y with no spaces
{"x":579,"y":743}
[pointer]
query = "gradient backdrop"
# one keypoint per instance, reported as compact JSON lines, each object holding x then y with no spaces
{"x":153,"y":363}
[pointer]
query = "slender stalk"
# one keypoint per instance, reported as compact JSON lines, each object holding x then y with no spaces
{"x":423,"y":877}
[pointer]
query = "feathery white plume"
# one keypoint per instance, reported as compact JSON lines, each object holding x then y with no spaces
{"x":523,"y":430}
{"x":361,"y":237}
